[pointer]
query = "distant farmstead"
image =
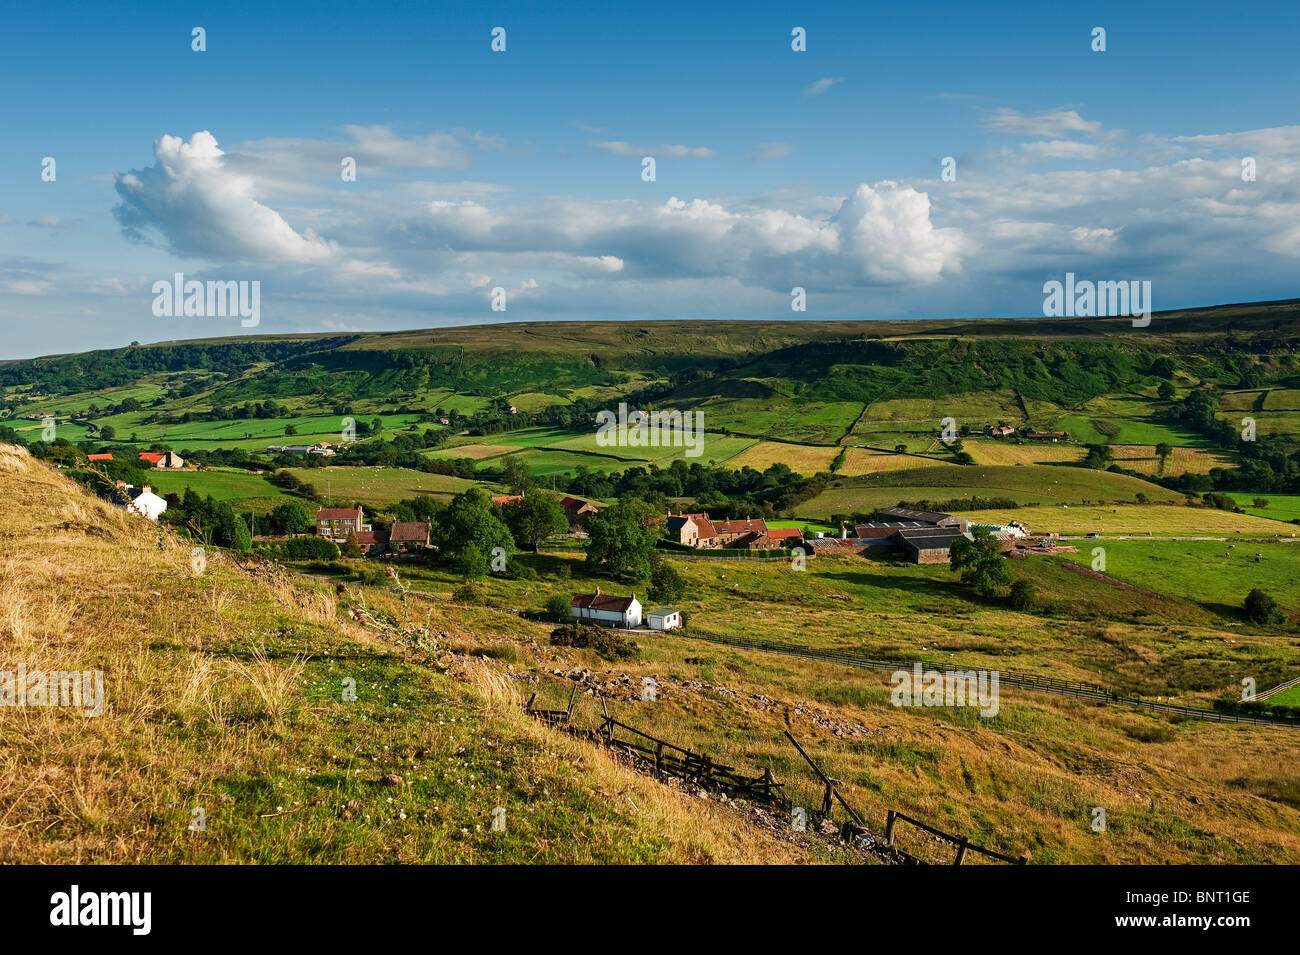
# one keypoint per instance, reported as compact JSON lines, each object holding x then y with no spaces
{"x":162,"y":460}
{"x":697,"y":530}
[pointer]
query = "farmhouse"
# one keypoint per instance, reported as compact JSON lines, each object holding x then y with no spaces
{"x":335,"y":522}
{"x":503,"y":499}
{"x":930,"y":545}
{"x":664,"y":618}
{"x":606,"y":609}
{"x":99,"y":457}
{"x":999,"y":430}
{"x":577,"y":511}
{"x":412,"y":533}
{"x":164,"y":460}
{"x":1031,"y":435}
{"x":697,"y":530}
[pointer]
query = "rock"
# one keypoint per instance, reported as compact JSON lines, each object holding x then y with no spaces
{"x":392,"y":779}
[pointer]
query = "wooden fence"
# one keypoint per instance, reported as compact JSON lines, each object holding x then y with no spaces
{"x":963,"y":844}
{"x":665,"y":759}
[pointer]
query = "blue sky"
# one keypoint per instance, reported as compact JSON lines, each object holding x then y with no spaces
{"x":522,"y":170}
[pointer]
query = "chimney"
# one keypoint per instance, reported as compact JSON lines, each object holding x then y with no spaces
{"x":146,"y":489}
{"x":844,"y":532}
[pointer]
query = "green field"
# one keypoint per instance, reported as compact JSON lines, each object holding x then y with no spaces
{"x":249,"y":434}
{"x":245,"y":491}
{"x":1210,"y":573}
{"x":1027,"y":484}
{"x":377,"y":487}
{"x":1281,"y":507}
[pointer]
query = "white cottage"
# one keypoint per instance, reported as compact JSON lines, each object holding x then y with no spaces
{"x":147,"y":504}
{"x":606,"y":609}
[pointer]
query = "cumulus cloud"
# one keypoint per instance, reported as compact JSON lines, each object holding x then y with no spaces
{"x":199,"y":207}
{"x":887,"y":229}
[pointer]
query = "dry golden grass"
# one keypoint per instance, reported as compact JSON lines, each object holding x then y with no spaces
{"x":1005,"y":452}
{"x":800,"y":458}
{"x":864,"y":461}
{"x":1142,"y":458}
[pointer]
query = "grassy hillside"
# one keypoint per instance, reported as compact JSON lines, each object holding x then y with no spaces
{"x":223,"y":691}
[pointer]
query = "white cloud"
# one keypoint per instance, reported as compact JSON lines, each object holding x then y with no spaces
{"x":820,"y":86}
{"x":201,"y":208}
{"x":1058,"y":123}
{"x":638,"y":150}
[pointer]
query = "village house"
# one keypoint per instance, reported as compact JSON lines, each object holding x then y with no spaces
{"x":335,"y":522}
{"x":503,"y":499}
{"x":999,"y":430}
{"x":162,"y":460}
{"x":606,"y":609}
{"x":99,"y":457}
{"x":409,"y":534}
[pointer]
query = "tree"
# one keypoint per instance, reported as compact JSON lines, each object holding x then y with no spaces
{"x":621,"y":543}
{"x":106,"y":432}
{"x":1163,"y":451}
{"x":1261,"y":608}
{"x":291,"y":517}
{"x":1166,"y":390}
{"x":517,"y":476}
{"x":666,"y":584}
{"x":557,"y":606}
{"x":1099,"y":457}
{"x":534,"y":518}
{"x":290,"y":430}
{"x":350,"y":546}
{"x":980,"y":562}
{"x":468,"y":523}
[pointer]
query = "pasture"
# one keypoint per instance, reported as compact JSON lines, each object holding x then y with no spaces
{"x":1159,"y":520}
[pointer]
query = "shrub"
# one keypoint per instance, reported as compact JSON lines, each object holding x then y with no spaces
{"x":1261,"y":608}
{"x":610,"y":644}
{"x":557,"y":607}
{"x":1023,"y":596}
{"x":470,"y":592}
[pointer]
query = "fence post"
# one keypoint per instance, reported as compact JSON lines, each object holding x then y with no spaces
{"x":889,"y":827}
{"x":961,"y":850}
